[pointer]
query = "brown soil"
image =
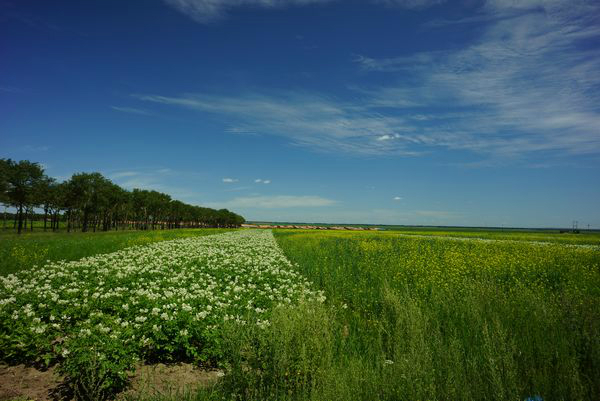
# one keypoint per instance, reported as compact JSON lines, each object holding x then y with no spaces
{"x":159,"y":379}
{"x":26,"y":383}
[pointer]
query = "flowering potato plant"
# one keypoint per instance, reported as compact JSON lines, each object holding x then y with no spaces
{"x":164,"y":301}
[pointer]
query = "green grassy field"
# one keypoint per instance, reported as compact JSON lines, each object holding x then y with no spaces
{"x":425,"y":315}
{"x":18,"y":252}
{"x":585,"y":238}
{"x":459,"y":319}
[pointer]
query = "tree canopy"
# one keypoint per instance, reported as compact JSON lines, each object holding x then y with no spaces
{"x":90,"y":201}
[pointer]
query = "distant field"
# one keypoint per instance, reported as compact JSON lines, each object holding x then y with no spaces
{"x":592,"y":238}
{"x":18,"y":252}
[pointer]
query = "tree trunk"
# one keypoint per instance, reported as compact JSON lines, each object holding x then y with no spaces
{"x":45,"y":217}
{"x":20,"y":217}
{"x":85,"y":222}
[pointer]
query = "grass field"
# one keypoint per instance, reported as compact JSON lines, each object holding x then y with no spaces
{"x":458,"y":319}
{"x":420,"y":316}
{"x":18,"y":252}
{"x":586,"y":238}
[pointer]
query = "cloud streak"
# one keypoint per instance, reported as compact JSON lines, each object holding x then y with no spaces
{"x":527,"y":86}
{"x":312,"y":120}
{"x":207,"y":11}
{"x":131,"y":110}
{"x":276,"y":202}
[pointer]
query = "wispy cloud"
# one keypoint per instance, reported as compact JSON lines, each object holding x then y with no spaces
{"x":240,"y":130}
{"x":397,"y":198}
{"x":276,"y":202}
{"x":210,"y":10}
{"x":411,"y":4}
{"x":313,"y":120}
{"x":261,"y":181}
{"x":205,"y":11}
{"x":131,"y":110}
{"x":123,"y":174}
{"x":529,"y":85}
{"x":229,"y":180}
{"x":35,"y":148}
{"x":10,"y":89}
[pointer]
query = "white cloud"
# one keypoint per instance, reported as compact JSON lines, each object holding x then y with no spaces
{"x":275,"y":202}
{"x":35,"y":148}
{"x":311,"y":120}
{"x":387,"y":137}
{"x":10,"y":89}
{"x":397,"y":198}
{"x":526,"y":86}
{"x":229,"y":180}
{"x":261,"y":181}
{"x":239,"y":130}
{"x":131,"y":110}
{"x":123,"y":174}
{"x":205,"y":11}
{"x":266,"y":181}
{"x":411,"y":4}
{"x":209,"y":10}
{"x":258,"y":181}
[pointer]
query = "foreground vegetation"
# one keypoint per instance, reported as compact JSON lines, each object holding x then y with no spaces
{"x":406,"y":317}
{"x":162,"y":302}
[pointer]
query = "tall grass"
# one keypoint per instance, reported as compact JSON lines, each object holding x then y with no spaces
{"x":18,"y":252}
{"x":584,"y":238}
{"x":436,"y":319}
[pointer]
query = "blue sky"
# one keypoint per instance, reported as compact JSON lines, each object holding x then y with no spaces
{"x":474,"y":112}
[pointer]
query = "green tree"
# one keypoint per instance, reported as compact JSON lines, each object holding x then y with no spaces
{"x":23,"y":179}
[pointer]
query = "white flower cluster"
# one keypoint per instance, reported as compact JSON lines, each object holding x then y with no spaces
{"x":173,"y":290}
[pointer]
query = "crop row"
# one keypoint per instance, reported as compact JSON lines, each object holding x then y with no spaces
{"x":164,"y":301}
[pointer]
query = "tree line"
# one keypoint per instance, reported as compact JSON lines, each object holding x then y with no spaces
{"x":90,"y":202}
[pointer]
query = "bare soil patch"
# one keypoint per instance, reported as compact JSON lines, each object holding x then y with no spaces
{"x":160,"y":379}
{"x":27,"y":383}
